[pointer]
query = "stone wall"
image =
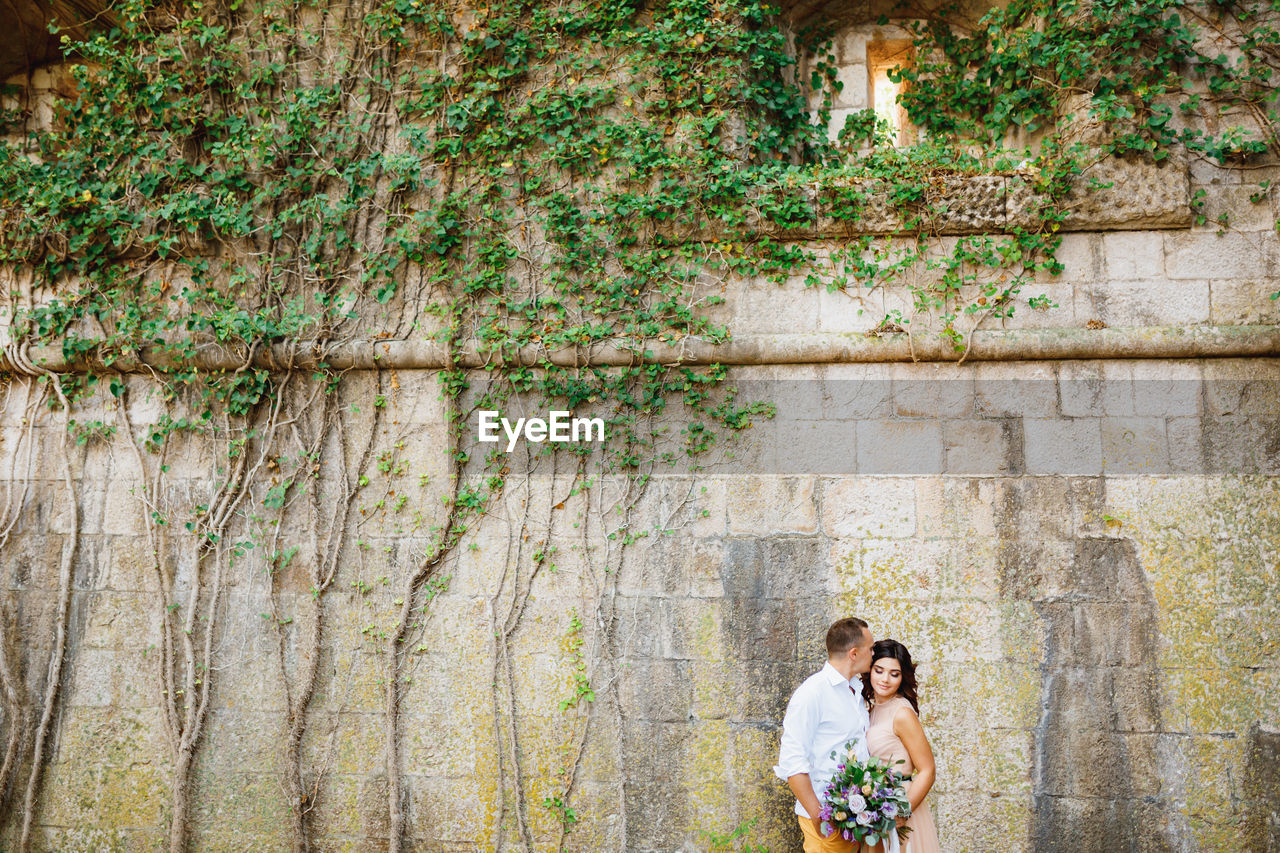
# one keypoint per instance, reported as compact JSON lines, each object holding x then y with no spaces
{"x":1082,"y":554}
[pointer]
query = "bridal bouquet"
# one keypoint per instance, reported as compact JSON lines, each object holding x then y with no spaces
{"x":865,"y":799}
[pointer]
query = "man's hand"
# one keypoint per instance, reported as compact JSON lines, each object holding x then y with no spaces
{"x":802,"y":787}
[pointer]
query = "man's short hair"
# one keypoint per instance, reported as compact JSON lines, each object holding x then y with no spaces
{"x":844,"y":634}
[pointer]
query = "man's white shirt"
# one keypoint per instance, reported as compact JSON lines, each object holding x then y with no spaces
{"x":824,"y":714}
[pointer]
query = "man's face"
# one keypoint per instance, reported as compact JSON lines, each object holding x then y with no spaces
{"x":860,"y":654}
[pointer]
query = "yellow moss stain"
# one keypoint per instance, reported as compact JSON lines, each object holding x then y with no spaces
{"x":758,"y":792}
{"x":978,"y":660}
{"x":707,"y":636}
{"x":904,"y":605}
{"x":117,"y":780}
{"x":1210,"y":555}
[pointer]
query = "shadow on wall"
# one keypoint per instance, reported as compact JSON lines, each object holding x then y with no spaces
{"x":1099,"y":685}
{"x":1262,"y":785}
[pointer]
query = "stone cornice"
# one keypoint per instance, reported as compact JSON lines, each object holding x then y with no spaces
{"x":807,"y":348}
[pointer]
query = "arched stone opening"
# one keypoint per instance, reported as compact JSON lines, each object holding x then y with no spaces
{"x":864,"y":41}
{"x":26,"y":42}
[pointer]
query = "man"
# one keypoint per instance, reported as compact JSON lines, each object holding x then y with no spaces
{"x":824,"y":714}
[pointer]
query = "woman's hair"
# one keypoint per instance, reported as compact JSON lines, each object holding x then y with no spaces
{"x":897,"y":651}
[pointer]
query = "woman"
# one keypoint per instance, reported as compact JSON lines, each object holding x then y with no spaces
{"x":896,"y":733}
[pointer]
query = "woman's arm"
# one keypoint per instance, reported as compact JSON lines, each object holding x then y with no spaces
{"x":906,"y":725}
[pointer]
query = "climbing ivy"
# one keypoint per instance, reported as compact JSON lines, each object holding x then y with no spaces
{"x":239,"y":187}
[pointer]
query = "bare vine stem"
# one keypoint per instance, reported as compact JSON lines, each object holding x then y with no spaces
{"x":16,"y":716}
{"x":53,"y":674}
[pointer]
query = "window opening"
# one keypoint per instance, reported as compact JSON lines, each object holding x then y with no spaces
{"x":884,"y":94}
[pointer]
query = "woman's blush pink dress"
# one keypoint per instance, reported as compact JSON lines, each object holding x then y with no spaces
{"x":883,"y":743}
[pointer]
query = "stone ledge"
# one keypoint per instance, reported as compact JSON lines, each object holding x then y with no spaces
{"x":1164,"y":342}
{"x":1133,"y":196}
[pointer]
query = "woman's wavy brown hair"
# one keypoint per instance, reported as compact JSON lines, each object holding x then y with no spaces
{"x":893,"y":649}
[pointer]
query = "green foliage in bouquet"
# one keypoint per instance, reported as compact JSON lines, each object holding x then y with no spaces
{"x":864,"y":799}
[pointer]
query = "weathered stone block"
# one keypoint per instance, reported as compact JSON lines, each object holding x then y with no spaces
{"x":123,"y":621}
{"x":852,"y":310}
{"x":694,"y":506}
{"x":899,"y":447}
{"x":1061,"y":823}
{"x":858,"y":207}
{"x":1231,"y":206}
{"x":658,"y":690}
{"x":856,"y":391}
{"x":1098,"y":634}
{"x":1134,"y":255}
{"x":1016,"y":390}
{"x":1080,"y":387}
{"x":245,"y":810}
{"x":983,"y":448}
{"x":146,"y":401}
{"x":770,"y":506}
{"x":1032,"y":508}
{"x":415,"y":398}
{"x":906,"y":569}
{"x":971,"y":569}
{"x":110,"y":795}
{"x":931,"y":391}
{"x":765,"y":308}
{"x":1205,"y":255}
{"x":1244,"y":301}
{"x":1005,"y":757}
{"x":743,"y":630}
{"x":1150,"y":302}
{"x":124,"y":509}
{"x":1070,"y":448}
{"x":1242,"y":445}
{"x":1031,"y":570}
{"x":882,"y":508}
{"x":1135,"y":446}
{"x":1115,"y":193}
{"x":968,"y":204}
{"x":1060,"y":313}
{"x":1138,"y":699}
{"x":1238,"y":396}
{"x":956,"y":754}
{"x":954,"y":508}
{"x":853,"y":83}
{"x":1186,"y":451}
{"x":1163,"y":389}
{"x":1082,"y":258}
{"x":657,"y":568}
{"x":815,"y":447}
{"x":781,"y":568}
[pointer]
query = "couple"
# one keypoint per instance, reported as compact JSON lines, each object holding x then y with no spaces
{"x":866,"y":691}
